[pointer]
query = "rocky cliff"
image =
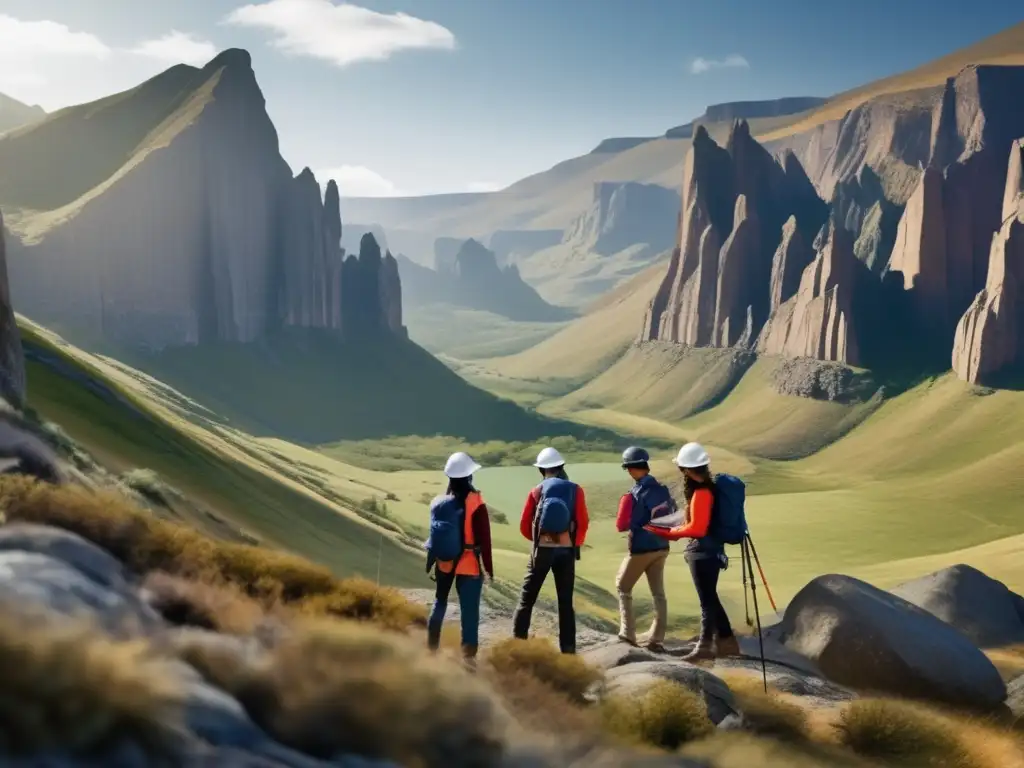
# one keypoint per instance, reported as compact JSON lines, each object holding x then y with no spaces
{"x":199,"y":233}
{"x":989,"y":340}
{"x":470,"y":277}
{"x":736,"y":201}
{"x":916,"y":184}
{"x":625,"y":215}
{"x":12,"y":360}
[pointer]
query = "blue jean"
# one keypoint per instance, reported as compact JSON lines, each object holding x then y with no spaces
{"x":469,"y":589}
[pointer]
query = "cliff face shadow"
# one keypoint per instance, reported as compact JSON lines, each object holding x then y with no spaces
{"x":312,"y":387}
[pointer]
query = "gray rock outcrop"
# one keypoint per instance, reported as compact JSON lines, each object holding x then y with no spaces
{"x":818,"y":320}
{"x":871,"y":640}
{"x":979,"y":606}
{"x":12,"y":358}
{"x":737,"y":200}
{"x":989,"y":340}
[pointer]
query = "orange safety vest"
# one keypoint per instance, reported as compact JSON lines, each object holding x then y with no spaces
{"x":469,"y":563}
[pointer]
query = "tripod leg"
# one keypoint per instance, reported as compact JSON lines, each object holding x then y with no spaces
{"x":764,"y":581}
{"x":743,"y":567}
{"x":757,"y":615}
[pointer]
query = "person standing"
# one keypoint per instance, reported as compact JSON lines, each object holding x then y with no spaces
{"x":555,"y":519}
{"x":647,"y":553}
{"x":705,"y":553}
{"x":459,"y":553}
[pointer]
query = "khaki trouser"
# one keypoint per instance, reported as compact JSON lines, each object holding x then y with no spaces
{"x":652,"y":565}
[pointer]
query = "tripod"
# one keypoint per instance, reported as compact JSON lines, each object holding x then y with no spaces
{"x":748,"y":556}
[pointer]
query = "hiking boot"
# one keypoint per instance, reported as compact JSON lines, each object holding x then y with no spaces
{"x":654,"y":647}
{"x":628,"y":641}
{"x":469,"y":657}
{"x":433,"y":641}
{"x":702,"y":651}
{"x":727,"y":646}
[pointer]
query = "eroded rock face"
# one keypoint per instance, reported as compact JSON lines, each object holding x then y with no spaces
{"x":818,"y":321}
{"x":202,"y":235}
{"x":736,"y":202}
{"x":791,"y":258}
{"x":989,"y":340}
{"x":12,"y":358}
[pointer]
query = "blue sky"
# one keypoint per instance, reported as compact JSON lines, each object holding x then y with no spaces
{"x":473,"y":94}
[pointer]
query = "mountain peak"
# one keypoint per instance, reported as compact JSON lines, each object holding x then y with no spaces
{"x":231,"y":58}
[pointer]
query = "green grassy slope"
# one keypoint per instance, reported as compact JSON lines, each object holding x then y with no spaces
{"x":314,"y":388}
{"x":51,"y":163}
{"x":470,"y":334}
{"x":124,"y":431}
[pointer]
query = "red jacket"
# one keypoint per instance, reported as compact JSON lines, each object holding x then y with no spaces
{"x":530,"y":509}
{"x":699,"y":519}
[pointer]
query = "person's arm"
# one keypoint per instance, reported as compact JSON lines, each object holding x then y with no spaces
{"x":526,"y":521}
{"x":699,"y":519}
{"x":482,"y":536}
{"x":625,"y":515}
{"x":582,"y":517}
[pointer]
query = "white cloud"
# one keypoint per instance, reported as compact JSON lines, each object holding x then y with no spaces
{"x":340,"y":33}
{"x":177,"y":48}
{"x":484,"y":186}
{"x":733,"y":60}
{"x":20,"y":40}
{"x":359,"y":181}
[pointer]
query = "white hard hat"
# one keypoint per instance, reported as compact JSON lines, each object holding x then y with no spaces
{"x":549,"y":458}
{"x":460,"y":465}
{"x":691,"y":456}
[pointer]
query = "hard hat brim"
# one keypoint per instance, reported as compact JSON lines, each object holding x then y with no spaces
{"x":465,"y":473}
{"x":548,"y":465}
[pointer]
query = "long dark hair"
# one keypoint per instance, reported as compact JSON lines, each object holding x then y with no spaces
{"x":460,"y":487}
{"x":560,"y":474}
{"x":690,"y":485}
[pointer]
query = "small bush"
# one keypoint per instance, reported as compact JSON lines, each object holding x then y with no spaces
{"x":767,"y":714}
{"x":567,"y":674}
{"x":333,"y":687}
{"x":148,"y":484}
{"x":221,"y":608}
{"x":899,"y":733}
{"x":72,"y":689}
{"x":665,"y":715}
{"x":146,"y":543}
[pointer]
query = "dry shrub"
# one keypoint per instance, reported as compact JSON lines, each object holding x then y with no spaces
{"x":900,"y":733}
{"x":72,"y":689}
{"x":665,"y":715}
{"x":767,"y":714}
{"x":567,"y":674}
{"x":538,"y":707}
{"x":1009,"y":660}
{"x":334,"y":686}
{"x":190,"y":603}
{"x":744,"y":750}
{"x":146,"y":543}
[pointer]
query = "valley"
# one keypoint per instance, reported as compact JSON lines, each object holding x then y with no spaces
{"x":751,"y":280}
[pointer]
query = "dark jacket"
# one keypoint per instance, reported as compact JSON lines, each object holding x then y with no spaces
{"x":634,"y":514}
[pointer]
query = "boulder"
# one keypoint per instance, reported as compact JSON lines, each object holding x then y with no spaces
{"x":979,"y":606}
{"x":70,"y":548}
{"x":868,"y":639}
{"x":47,"y":588}
{"x":637,"y":676}
{"x":1015,"y":697}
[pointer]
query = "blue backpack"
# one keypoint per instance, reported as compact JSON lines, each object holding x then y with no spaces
{"x":447,"y":517}
{"x":728,"y":518}
{"x":553,"y":513}
{"x":657,"y":500}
